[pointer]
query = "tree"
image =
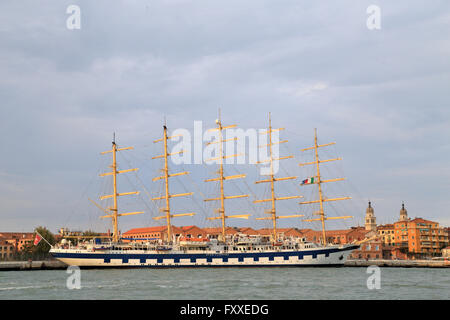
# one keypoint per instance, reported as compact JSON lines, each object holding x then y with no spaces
{"x":39,"y":251}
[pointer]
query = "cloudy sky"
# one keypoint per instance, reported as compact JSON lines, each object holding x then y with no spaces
{"x":382,"y":95}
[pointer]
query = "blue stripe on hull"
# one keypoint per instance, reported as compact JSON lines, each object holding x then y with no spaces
{"x":212,"y":265}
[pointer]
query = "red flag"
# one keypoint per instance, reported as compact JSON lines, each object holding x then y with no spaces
{"x":37,"y":239}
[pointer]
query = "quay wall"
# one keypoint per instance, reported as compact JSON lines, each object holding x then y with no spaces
{"x":31,"y":265}
{"x":399,"y":263}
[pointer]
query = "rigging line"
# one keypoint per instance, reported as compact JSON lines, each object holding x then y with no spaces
{"x":137,"y":177}
{"x":302,"y":136}
{"x":294,"y":182}
{"x":187,"y":190}
{"x":85,"y":191}
{"x":202,"y":209}
{"x":142,"y":162}
{"x":193,"y":182}
{"x":349,"y":184}
{"x":138,"y":195}
{"x":206,"y":207}
{"x":245,"y":182}
{"x":241,"y":192}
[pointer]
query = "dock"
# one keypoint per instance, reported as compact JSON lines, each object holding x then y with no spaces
{"x":31,"y":265}
{"x":399,"y":263}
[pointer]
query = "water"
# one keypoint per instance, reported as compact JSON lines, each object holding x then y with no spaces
{"x":228,"y":284}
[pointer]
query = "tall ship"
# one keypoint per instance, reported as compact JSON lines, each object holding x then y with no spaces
{"x":225,"y":250}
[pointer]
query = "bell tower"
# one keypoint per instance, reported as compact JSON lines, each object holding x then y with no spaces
{"x":371,"y":224}
{"x":403,"y":213}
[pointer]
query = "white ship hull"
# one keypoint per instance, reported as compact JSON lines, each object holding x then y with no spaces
{"x":328,"y":256}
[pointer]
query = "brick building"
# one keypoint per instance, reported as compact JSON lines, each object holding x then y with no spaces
{"x":369,"y":250}
{"x":418,"y":237}
{"x":286,"y":232}
{"x":347,"y":235}
{"x":393,"y":253}
{"x":7,"y":250}
{"x":19,"y":240}
{"x":249,"y":231}
{"x":214,"y":233}
{"x":193,"y":232}
{"x":386,"y":233}
{"x":149,"y":234}
{"x":291,"y":232}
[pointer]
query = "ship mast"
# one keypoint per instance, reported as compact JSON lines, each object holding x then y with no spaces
{"x":272,"y":181}
{"x":318,"y":180}
{"x":168,"y":216}
{"x":220,"y":128}
{"x":113,"y":211}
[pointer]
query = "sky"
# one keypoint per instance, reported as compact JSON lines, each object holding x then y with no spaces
{"x":381,"y":94}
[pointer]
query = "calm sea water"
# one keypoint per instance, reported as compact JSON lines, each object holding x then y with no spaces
{"x":228,"y":283}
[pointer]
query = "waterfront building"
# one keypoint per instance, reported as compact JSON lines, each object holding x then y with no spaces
{"x":426,"y":238}
{"x":311,"y":235}
{"x":418,"y":237}
{"x":446,"y":252}
{"x":19,"y":240}
{"x":214,"y":233}
{"x":6,"y":250}
{"x":149,"y":234}
{"x":401,"y":230}
{"x":369,"y":250}
{"x":347,"y":235}
{"x":291,"y":232}
{"x":286,"y":232}
{"x":393,"y":253}
{"x":386,"y":233}
{"x":193,"y":232}
{"x":249,"y":231}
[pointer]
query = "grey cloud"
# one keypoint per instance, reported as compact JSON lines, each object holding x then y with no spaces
{"x":382,"y":95}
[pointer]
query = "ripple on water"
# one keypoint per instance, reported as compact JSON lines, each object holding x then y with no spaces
{"x":232,"y":283}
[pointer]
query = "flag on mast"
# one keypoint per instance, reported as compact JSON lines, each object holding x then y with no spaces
{"x":37,"y":239}
{"x":308,"y":181}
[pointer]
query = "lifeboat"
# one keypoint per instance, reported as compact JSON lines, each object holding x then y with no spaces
{"x":102,"y":248}
{"x":163,"y":248}
{"x":194,"y":242}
